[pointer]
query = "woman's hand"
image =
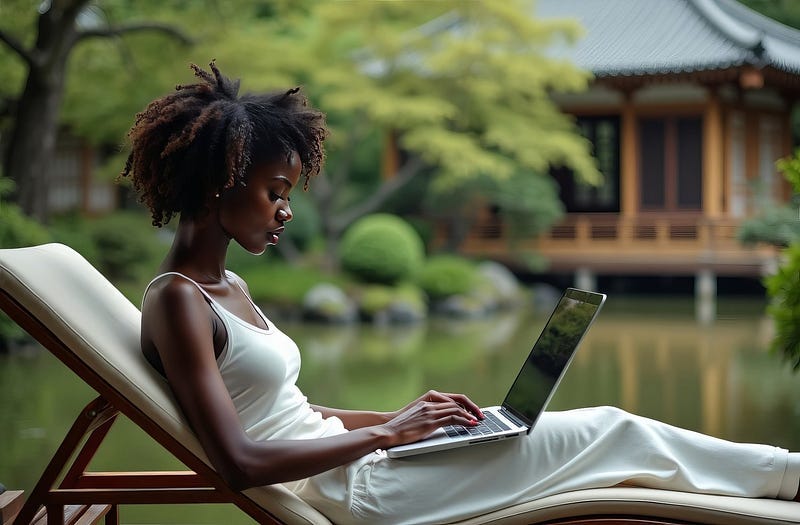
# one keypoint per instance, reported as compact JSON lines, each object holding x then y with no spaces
{"x":429,"y":412}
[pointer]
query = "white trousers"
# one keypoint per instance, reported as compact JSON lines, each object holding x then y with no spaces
{"x":572,"y":450}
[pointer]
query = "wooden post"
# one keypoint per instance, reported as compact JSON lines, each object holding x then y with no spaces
{"x":391,"y":156}
{"x":629,"y":176}
{"x":712,"y":156}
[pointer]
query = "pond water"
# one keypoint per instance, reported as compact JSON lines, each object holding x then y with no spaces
{"x":648,"y":356}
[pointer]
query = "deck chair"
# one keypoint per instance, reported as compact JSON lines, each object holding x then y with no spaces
{"x":73,"y":311}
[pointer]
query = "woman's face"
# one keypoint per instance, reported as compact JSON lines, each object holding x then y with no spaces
{"x":254,"y":215}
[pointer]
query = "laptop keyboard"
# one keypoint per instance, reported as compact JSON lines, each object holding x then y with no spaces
{"x":490,"y":425}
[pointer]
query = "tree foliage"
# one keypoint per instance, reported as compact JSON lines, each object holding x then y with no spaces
{"x":783,"y":287}
{"x":464,"y":86}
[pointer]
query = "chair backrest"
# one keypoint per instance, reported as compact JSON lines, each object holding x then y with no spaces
{"x":100,"y":327}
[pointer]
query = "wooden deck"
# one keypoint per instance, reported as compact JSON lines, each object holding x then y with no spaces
{"x":642,"y":245}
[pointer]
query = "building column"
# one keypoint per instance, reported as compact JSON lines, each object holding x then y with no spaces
{"x":712,"y":156}
{"x":705,"y":296}
{"x":585,"y":279}
{"x":629,"y":161}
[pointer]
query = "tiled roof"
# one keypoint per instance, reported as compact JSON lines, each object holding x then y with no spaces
{"x":642,"y":37}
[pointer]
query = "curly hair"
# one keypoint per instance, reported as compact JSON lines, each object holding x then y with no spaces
{"x":200,"y":140}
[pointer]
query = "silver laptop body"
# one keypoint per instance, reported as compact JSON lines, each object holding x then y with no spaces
{"x":534,"y":385}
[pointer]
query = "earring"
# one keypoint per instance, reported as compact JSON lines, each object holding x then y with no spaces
{"x":216,"y":195}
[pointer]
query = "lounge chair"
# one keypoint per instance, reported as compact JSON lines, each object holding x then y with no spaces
{"x":73,"y":311}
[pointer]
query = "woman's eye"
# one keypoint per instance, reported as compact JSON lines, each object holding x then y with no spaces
{"x":276,"y":196}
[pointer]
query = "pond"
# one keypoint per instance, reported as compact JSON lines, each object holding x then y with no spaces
{"x":648,"y":356}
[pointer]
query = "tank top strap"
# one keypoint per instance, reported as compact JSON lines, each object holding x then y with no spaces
{"x":158,"y":277}
{"x":238,"y":281}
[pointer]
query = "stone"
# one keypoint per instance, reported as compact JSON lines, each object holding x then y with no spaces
{"x":329,"y":304}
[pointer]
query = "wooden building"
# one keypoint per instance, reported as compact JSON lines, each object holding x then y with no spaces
{"x":688,"y":112}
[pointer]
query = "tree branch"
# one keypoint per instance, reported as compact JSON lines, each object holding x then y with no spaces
{"x":17,"y":47}
{"x":114,"y":31}
{"x":409,"y":170}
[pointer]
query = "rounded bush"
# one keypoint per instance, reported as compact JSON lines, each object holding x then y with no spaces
{"x":447,"y":275}
{"x":381,"y":249}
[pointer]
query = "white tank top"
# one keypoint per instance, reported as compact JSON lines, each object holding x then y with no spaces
{"x":260,"y":369}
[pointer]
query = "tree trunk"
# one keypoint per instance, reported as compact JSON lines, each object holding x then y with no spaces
{"x":32,"y":146}
{"x":33,"y":141}
{"x":29,"y":158}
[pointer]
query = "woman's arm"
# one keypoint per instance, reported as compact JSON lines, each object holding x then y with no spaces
{"x":354,"y":419}
{"x":176,"y":320}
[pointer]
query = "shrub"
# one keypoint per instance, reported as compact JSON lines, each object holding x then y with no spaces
{"x":18,"y":230}
{"x":447,"y":275}
{"x":277,"y":282}
{"x":392,"y":304}
{"x":783,"y":289}
{"x":122,"y":245}
{"x":375,"y":298}
{"x":777,"y":225}
{"x":381,"y":249}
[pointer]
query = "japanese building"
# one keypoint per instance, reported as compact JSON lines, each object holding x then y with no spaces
{"x":688,"y":111}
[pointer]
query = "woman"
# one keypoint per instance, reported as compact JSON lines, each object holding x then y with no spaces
{"x":227,"y":166}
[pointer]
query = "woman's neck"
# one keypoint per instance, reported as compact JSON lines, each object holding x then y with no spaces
{"x":198,"y":250}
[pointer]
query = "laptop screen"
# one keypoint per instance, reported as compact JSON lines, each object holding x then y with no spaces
{"x":552,"y":353}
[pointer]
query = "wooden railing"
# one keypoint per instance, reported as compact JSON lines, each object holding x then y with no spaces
{"x":648,"y":238}
{"x":653,"y":232}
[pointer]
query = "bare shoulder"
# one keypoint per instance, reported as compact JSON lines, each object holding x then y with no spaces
{"x":175,"y":305}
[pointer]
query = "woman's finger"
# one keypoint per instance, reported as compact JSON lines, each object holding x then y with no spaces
{"x":467,"y":403}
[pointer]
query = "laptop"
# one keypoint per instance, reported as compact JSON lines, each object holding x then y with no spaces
{"x":534,"y":385}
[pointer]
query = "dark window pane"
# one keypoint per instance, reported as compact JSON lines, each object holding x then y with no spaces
{"x":577,"y":195}
{"x":690,"y":163}
{"x":651,"y":147}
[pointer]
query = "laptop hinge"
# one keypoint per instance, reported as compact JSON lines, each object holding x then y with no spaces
{"x":507,"y":412}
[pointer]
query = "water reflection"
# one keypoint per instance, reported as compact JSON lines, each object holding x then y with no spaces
{"x":716,"y":378}
{"x":650,"y":357}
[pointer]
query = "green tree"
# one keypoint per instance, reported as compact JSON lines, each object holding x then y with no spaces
{"x":783,"y":288}
{"x":59,"y":27}
{"x":784,"y":11}
{"x":466,"y":94}
{"x":464,"y":86}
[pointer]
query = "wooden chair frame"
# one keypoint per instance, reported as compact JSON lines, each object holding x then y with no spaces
{"x":201,"y":484}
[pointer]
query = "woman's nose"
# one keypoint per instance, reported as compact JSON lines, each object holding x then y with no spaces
{"x":285,"y":214}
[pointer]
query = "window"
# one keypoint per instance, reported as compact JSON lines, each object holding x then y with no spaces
{"x":671,"y":163}
{"x":579,"y":196}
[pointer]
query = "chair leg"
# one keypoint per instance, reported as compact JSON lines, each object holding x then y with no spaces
{"x":55,"y":514}
{"x":96,"y":413}
{"x":112,"y":518}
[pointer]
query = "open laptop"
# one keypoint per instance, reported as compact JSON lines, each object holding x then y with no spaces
{"x":535,"y":383}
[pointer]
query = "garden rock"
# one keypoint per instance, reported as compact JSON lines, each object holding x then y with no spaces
{"x":460,"y":307}
{"x":328,"y":303}
{"x":502,"y":288}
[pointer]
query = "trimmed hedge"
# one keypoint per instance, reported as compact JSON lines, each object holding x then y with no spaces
{"x":382,"y":249}
{"x":447,"y":275}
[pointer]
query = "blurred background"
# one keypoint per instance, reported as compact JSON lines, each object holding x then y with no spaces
{"x":483,"y":156}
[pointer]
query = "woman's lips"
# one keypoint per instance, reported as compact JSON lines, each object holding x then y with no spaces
{"x":273,"y":235}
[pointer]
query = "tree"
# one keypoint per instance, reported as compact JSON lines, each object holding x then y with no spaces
{"x":33,"y":135}
{"x":783,"y":288}
{"x":464,"y":87}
